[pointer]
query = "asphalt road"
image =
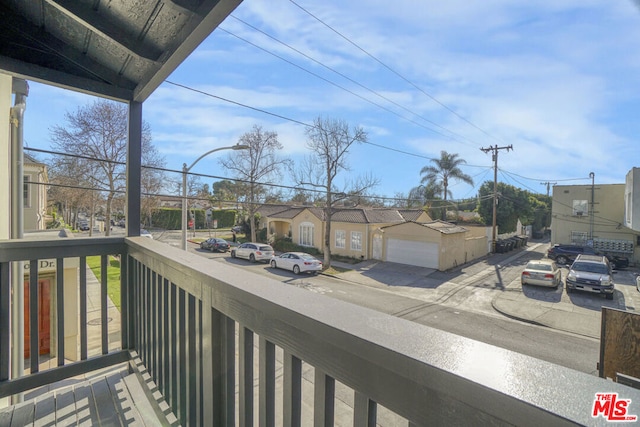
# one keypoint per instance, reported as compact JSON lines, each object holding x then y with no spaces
{"x":466,"y":311}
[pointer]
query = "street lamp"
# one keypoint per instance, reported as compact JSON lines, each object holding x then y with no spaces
{"x":185,"y":171}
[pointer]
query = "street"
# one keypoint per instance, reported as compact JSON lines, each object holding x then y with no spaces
{"x":461,"y":306}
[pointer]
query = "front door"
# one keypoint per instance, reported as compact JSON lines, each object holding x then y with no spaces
{"x":377,"y":247}
{"x":44,"y":317}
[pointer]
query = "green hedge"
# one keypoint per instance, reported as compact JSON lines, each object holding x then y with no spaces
{"x":171,"y":218}
{"x":286,"y":245}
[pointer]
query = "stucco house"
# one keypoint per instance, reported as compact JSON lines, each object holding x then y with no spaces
{"x":407,"y":236}
{"x":436,"y":244}
{"x":351,"y":228}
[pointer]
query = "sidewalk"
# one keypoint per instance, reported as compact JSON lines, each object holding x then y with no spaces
{"x":578,"y":313}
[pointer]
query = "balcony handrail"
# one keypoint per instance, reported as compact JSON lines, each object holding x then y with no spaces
{"x":426,"y":376}
{"x":421,"y":373}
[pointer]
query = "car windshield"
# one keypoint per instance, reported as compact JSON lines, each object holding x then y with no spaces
{"x":266,"y":248}
{"x":591,"y":267}
{"x":307,"y":257}
{"x":539,"y":266}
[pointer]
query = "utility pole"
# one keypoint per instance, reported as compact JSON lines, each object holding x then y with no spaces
{"x":495,"y":187}
{"x":548,"y":184}
{"x":548,"y":219}
{"x":591,"y":213}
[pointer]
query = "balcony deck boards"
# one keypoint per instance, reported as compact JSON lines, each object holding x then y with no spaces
{"x":113,"y":398}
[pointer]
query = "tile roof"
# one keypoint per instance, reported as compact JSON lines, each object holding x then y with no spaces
{"x":350,"y":215}
{"x":411,"y":214}
{"x":271,"y":210}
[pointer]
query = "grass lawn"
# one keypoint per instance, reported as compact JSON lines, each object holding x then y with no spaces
{"x":113,"y":276}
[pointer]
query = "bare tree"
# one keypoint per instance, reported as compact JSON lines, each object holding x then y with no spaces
{"x":257,"y":165}
{"x":99,"y":131}
{"x":330,"y":141}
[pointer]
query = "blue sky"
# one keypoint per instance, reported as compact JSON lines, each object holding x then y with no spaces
{"x":557,"y":80}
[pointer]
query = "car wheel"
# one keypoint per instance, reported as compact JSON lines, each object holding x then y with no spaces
{"x":252,"y":258}
{"x":212,"y":249}
{"x":613,"y":265}
{"x":562,"y":259}
{"x":273,"y":264}
{"x":233,"y":254}
{"x":296,"y":269}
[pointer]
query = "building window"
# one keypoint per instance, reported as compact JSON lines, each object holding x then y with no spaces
{"x":580,"y":207}
{"x":341,"y":239}
{"x":579,"y":237}
{"x":356,"y":241}
{"x":306,"y":234}
{"x":26,"y":191}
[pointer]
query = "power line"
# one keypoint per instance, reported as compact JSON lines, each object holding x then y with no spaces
{"x":347,"y":78}
{"x":394,"y":71}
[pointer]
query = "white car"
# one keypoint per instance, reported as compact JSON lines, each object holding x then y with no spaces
{"x":298,"y":262}
{"x":253,"y":251}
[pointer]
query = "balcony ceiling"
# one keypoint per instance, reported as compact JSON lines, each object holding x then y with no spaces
{"x":117,"y":49}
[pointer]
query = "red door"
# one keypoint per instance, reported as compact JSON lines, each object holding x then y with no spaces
{"x":44,"y":317}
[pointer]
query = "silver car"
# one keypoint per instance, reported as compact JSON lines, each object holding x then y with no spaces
{"x":253,"y":252}
{"x":542,"y":272}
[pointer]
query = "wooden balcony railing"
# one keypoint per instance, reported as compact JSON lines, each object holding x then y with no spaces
{"x":229,"y":347}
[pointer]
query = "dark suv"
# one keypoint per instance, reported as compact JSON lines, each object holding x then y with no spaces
{"x":566,"y":254}
{"x":590,"y":273}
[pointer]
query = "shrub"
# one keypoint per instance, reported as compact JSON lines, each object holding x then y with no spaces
{"x":286,"y":245}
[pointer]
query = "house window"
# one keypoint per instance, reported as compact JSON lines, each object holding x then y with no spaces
{"x":341,"y":239}
{"x":306,"y":234}
{"x":356,"y":241}
{"x":26,"y":193}
{"x":580,"y":207}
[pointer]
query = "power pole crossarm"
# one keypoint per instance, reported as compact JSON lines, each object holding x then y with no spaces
{"x":494,"y":150}
{"x":548,"y":184}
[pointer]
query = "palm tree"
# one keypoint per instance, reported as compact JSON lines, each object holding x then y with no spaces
{"x":444,"y":169}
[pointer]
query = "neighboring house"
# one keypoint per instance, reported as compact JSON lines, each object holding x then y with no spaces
{"x":576,"y":218}
{"x":436,"y":244}
{"x":35,"y":194}
{"x":351,"y":228}
{"x":377,"y":234}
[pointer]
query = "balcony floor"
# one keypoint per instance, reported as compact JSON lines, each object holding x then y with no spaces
{"x":112,"y":397}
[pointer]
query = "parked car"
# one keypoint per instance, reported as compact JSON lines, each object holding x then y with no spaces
{"x":591,"y":273}
{"x":215,"y":244}
{"x":145,"y":233}
{"x":543,"y":272}
{"x":253,"y":252}
{"x":566,"y":254}
{"x":298,"y":262}
{"x":83,"y":226}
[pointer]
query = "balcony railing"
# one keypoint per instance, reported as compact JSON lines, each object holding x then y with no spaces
{"x":229,"y":347}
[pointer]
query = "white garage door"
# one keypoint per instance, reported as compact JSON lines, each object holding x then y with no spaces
{"x":413,"y":253}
